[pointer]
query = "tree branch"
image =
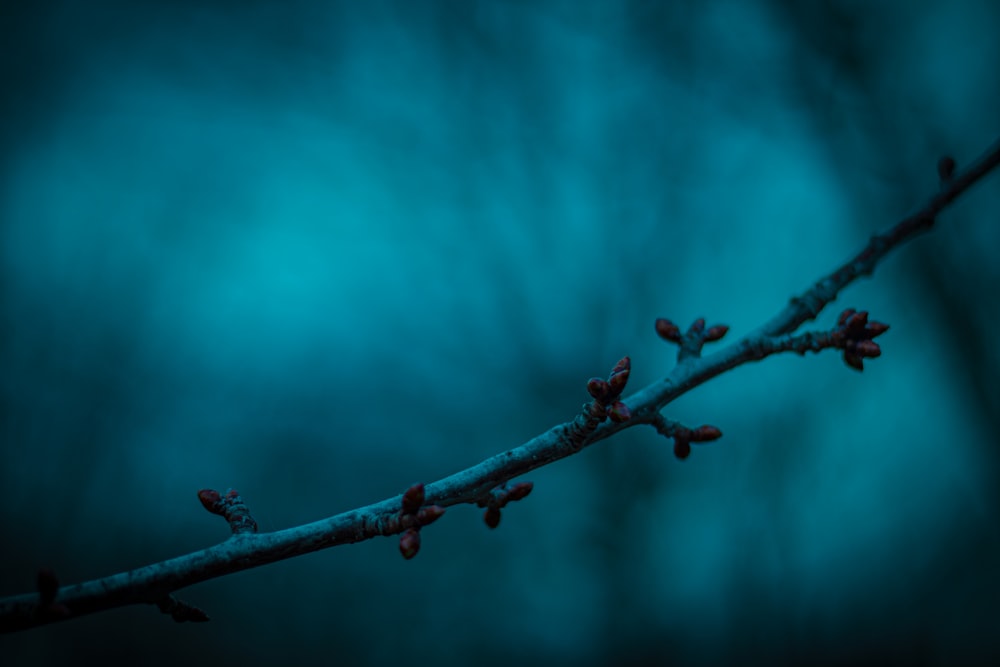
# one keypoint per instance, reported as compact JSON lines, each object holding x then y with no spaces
{"x":486,"y":484}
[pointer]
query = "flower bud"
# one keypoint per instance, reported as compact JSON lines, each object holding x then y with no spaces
{"x":705,"y":433}
{"x":430,"y":514}
{"x":876,"y":329}
{"x":854,"y":361}
{"x":599,"y":389}
{"x":616,"y":382}
{"x":211,"y":500}
{"x":682,"y":448}
{"x":667,"y":330}
{"x":492,"y":516}
{"x":716,"y":332}
{"x":844,"y":315}
{"x":409,"y":543}
{"x":857,"y":321}
{"x":868,"y":348}
{"x":519,"y":491}
{"x":413,"y":499}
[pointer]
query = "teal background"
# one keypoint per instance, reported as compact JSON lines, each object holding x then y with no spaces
{"x":320,"y":251}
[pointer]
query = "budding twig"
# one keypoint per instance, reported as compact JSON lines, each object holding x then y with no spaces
{"x":497,"y":498}
{"x":691,"y":342}
{"x":485,"y":484}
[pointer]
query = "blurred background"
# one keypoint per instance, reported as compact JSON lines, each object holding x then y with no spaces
{"x":318,"y":251}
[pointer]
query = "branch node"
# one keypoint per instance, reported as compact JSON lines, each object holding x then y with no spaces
{"x":694,"y":339}
{"x":231,"y":507}
{"x":413,"y":515}
{"x":684,"y":436}
{"x":499,"y":496}
{"x":606,"y":403}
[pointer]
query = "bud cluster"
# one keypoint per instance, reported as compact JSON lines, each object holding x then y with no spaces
{"x":499,"y":497}
{"x":413,"y":516}
{"x":691,"y":341}
{"x":606,"y":393}
{"x":854,"y":334}
{"x":683,"y":437}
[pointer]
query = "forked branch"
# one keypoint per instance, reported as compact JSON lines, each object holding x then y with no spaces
{"x":487,"y":484}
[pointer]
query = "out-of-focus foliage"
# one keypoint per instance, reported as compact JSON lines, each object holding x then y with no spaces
{"x":320,"y":251}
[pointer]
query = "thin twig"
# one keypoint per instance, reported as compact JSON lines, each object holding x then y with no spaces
{"x":485,"y":484}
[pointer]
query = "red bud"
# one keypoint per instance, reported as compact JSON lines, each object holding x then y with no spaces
{"x":854,"y":361}
{"x":682,"y":448}
{"x":868,"y":348}
{"x":492,"y":516}
{"x":616,"y":382}
{"x":844,"y":315}
{"x":210,"y":500}
{"x":430,"y":514}
{"x":698,"y":325}
{"x":413,"y":499}
{"x":624,"y":365}
{"x":716,"y":332}
{"x":876,"y":329}
{"x":857,"y":320}
{"x":519,"y":491}
{"x":667,"y":330}
{"x":409,"y":543}
{"x":619,"y":412}
{"x":706,"y":433}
